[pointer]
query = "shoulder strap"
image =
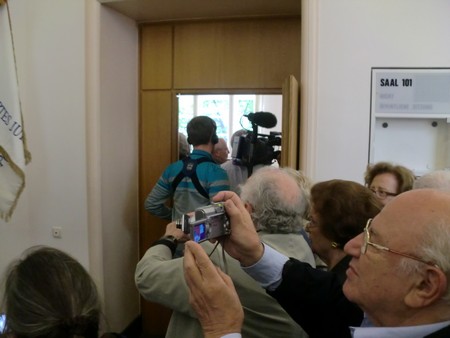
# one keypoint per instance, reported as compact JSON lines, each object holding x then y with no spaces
{"x":190,"y":170}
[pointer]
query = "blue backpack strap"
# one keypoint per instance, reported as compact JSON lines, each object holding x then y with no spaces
{"x":190,"y":170}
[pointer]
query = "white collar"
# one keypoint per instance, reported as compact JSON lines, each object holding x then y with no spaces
{"x":418,"y":331}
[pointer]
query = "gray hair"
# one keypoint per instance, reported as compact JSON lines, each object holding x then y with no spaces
{"x":434,"y":248}
{"x":184,"y":147}
{"x":439,"y":179}
{"x":273,"y":211}
{"x":305,"y":184}
{"x":49,"y":294}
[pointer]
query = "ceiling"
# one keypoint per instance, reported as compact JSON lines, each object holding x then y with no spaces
{"x":172,"y":10}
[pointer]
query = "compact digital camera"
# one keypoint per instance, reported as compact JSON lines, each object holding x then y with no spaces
{"x":208,"y":222}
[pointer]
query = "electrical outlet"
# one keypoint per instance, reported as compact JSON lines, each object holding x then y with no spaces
{"x":56,"y":232}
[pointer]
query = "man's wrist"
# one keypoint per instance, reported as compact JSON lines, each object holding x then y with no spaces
{"x":168,"y":240}
{"x":268,"y":271}
{"x":254,"y":257}
{"x":234,"y":334}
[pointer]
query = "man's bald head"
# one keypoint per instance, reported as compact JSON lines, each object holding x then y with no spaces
{"x":220,"y":151}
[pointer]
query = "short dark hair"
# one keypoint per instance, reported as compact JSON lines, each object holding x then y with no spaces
{"x":343,"y":208}
{"x":201,"y":130}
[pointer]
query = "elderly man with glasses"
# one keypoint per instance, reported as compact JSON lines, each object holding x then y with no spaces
{"x":399,"y":273}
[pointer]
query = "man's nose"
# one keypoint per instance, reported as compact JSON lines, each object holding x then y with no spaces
{"x":353,"y":246}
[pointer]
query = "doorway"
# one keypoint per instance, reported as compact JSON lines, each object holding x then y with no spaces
{"x":229,"y":56}
{"x":229,"y":111}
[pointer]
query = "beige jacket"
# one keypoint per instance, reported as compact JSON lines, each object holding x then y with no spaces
{"x":160,"y":279}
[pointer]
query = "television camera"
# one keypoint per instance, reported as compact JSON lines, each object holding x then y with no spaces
{"x":254,"y":148}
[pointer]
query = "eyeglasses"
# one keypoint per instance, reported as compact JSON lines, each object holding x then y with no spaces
{"x":382,"y":194}
{"x":310,"y":224}
{"x":367,"y":242}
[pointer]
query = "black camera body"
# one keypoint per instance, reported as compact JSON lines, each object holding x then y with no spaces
{"x":259,"y":151}
{"x":208,"y":222}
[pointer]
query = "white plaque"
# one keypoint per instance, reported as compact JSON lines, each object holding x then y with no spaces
{"x":424,"y":91}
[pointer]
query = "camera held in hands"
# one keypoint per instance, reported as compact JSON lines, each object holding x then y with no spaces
{"x":207,"y":222}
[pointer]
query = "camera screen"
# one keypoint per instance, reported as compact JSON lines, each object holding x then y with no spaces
{"x":2,"y":322}
{"x":199,"y":232}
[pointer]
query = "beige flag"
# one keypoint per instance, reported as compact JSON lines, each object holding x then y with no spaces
{"x":13,"y":151}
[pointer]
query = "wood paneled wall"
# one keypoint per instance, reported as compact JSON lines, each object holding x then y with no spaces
{"x":251,"y":55}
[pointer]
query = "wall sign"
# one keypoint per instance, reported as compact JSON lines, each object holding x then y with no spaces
{"x":411,"y":91}
{"x":410,"y":118}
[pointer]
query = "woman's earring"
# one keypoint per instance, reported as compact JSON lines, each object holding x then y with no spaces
{"x":334,"y":245}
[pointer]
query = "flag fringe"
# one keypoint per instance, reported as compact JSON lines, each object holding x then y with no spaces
{"x":6,"y":215}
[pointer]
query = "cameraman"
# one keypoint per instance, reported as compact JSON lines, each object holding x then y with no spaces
{"x":276,"y":204}
{"x":238,"y":174}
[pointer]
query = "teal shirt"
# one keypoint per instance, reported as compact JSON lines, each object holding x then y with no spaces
{"x":186,"y":197}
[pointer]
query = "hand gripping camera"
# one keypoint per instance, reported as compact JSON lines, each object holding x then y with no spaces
{"x":208,"y":222}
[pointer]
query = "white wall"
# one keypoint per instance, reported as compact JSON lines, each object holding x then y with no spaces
{"x":119,"y":164}
{"x":342,"y":40}
{"x":77,"y":64}
{"x":52,"y":88}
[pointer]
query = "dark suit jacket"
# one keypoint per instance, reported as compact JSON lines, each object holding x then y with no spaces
{"x":442,"y":333}
{"x":314,"y":299}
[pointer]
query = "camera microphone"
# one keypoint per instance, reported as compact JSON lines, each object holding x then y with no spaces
{"x":263,"y":119}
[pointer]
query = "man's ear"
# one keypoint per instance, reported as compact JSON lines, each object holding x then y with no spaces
{"x":429,"y":286}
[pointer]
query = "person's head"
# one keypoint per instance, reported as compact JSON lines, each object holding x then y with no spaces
{"x":401,"y":275}
{"x":183,"y":146}
{"x":387,"y":180}
{"x":274,"y":200}
{"x":201,"y":130}
{"x":304,"y":184}
{"x":220,"y":152}
{"x":339,"y":211}
{"x":48,"y":294}
{"x":439,"y":179}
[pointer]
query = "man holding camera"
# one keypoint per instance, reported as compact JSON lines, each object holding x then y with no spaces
{"x":399,"y":272}
{"x":159,"y":277}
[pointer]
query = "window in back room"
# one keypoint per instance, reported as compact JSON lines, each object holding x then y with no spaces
{"x":229,"y":111}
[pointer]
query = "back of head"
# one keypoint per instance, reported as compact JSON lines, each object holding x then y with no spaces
{"x":277,"y":201}
{"x":343,"y":208}
{"x":49,"y":294}
{"x":304,"y":184}
{"x":439,"y":179}
{"x":220,"y":151}
{"x":405,"y":177}
{"x":201,"y":130}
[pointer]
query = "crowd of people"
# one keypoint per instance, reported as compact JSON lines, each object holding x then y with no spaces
{"x":276,"y":205}
{"x":331,"y":259}
{"x":397,"y":276}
